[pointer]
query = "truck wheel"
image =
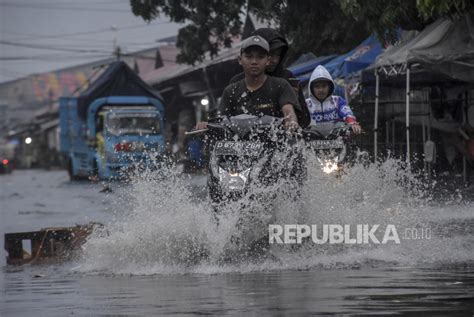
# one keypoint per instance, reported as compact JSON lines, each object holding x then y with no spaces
{"x":95,"y":169}
{"x":70,"y":171}
{"x":94,"y":175}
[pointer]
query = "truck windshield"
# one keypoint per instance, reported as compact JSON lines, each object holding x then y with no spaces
{"x":133,"y":124}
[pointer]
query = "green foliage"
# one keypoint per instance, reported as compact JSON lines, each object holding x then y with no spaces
{"x":319,"y":26}
{"x":439,"y":8}
{"x":384,"y":17}
{"x":213,"y":23}
{"x":313,"y":26}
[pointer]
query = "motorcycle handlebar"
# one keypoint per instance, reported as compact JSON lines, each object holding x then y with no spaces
{"x":193,"y":132}
{"x":218,"y":121}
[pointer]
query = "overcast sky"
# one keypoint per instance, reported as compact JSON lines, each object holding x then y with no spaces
{"x":43,"y":35}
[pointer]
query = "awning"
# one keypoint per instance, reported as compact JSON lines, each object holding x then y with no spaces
{"x":445,"y":46}
{"x":49,"y":124}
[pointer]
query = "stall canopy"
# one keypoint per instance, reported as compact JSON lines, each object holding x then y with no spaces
{"x":340,"y":66}
{"x":117,"y":80}
{"x":446,"y":46}
{"x":359,"y":58}
{"x":302,"y":68}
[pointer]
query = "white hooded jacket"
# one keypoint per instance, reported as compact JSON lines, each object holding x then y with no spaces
{"x":333,"y":108}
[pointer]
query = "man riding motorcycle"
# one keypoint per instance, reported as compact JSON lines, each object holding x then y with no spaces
{"x":258,"y":93}
{"x":275,"y":67}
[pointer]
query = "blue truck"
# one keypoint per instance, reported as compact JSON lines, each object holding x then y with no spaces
{"x":116,"y":125}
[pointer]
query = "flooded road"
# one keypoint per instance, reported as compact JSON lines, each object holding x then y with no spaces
{"x":151,"y":262}
{"x":435,"y":291}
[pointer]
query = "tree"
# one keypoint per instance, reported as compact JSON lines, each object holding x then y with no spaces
{"x":313,"y":26}
{"x":213,"y":23}
{"x":385,"y":17}
{"x":320,"y":26}
{"x":440,"y":8}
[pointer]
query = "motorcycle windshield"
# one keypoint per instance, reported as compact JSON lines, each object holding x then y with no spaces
{"x":246,"y":127}
{"x":326,"y":129}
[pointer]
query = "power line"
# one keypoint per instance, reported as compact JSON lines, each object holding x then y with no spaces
{"x":84,"y":44}
{"x":60,"y":45}
{"x":86,"y":49}
{"x":49,"y":47}
{"x":13,"y":73}
{"x":52,"y":7}
{"x":52,"y":57}
{"x":67,"y":2}
{"x":101,"y":30}
{"x":62,"y":2}
{"x":147,"y":57}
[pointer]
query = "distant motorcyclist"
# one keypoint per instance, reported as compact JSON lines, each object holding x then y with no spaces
{"x":323,"y":106}
{"x":278,"y":49}
{"x":257,"y":93}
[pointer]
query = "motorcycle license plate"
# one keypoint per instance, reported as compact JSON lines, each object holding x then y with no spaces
{"x":327,"y":144}
{"x":238,"y":148}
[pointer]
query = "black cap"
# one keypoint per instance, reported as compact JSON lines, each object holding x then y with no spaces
{"x":255,"y":40}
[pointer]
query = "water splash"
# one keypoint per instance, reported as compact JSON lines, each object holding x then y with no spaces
{"x":168,"y":231}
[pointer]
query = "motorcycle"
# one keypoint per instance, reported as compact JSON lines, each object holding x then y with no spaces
{"x":251,"y":160}
{"x":248,"y":155}
{"x":331,"y":143}
{"x":247,"y":150}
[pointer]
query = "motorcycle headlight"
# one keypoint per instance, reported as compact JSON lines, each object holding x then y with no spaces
{"x":233,"y":181}
{"x":335,"y":154}
{"x":329,"y":166}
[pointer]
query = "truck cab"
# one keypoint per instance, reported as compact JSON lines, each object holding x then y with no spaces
{"x":127,"y":137}
{"x":119,"y":133}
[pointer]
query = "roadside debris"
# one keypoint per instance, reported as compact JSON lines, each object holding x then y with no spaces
{"x":47,"y":244}
{"x":105,"y":189}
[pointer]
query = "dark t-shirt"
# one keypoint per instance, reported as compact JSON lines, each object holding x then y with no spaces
{"x":266,"y":100}
{"x":302,"y":112}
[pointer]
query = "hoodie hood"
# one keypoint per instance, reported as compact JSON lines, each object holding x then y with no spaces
{"x":276,"y":40}
{"x":320,"y":73}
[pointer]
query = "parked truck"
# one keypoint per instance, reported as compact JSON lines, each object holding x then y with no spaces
{"x":115,"y":125}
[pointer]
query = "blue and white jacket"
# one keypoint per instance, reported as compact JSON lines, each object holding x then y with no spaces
{"x":333,"y":108}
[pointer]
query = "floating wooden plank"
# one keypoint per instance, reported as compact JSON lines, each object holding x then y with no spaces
{"x":47,"y":244}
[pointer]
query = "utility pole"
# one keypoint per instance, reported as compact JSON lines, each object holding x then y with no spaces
{"x":116,"y":48}
{"x":117,"y":53}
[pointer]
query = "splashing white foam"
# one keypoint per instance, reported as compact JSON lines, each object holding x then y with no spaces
{"x":168,"y":232}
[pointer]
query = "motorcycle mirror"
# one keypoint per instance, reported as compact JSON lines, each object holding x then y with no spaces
{"x":195,"y":132}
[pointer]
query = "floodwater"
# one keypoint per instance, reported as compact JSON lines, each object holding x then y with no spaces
{"x":163,"y":254}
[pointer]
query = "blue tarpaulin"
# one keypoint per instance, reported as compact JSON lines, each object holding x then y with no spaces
{"x":301,"y":70}
{"x":357,"y":59}
{"x":341,"y":66}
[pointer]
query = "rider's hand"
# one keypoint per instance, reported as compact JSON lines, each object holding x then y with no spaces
{"x":201,"y":125}
{"x":291,"y":126}
{"x":356,"y":128}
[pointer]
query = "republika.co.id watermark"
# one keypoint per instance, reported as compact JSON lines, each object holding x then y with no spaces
{"x":344,"y":234}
